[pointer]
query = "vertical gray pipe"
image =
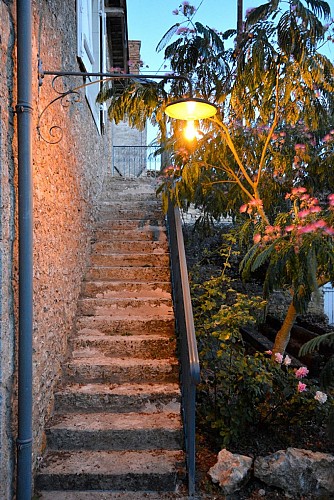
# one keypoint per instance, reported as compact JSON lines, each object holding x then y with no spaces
{"x":24,"y":117}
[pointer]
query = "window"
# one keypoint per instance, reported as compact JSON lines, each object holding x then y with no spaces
{"x":91,"y":50}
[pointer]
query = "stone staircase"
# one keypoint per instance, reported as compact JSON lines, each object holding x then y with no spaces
{"x":116,"y":431}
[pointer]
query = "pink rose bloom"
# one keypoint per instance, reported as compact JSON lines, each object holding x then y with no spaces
{"x":301,"y":372}
{"x":301,"y":387}
{"x":287,"y":360}
{"x":278,"y":357}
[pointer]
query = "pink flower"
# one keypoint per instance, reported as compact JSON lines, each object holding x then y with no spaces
{"x":268,"y":352}
{"x":319,"y":224}
{"x":331,"y":199}
{"x":257,"y":238}
{"x":301,"y":387}
{"x":175,"y":12}
{"x":287,"y":360}
{"x":303,"y":213}
{"x":289,"y":228}
{"x":181,"y":30}
{"x":315,"y":209}
{"x":298,"y":190}
{"x":278,"y":357}
{"x":243,"y":208}
{"x":300,"y":147}
{"x":301,"y":372}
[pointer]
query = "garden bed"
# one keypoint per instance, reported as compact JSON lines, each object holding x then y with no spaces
{"x":205,"y":260}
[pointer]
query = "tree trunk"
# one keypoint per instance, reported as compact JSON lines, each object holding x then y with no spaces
{"x":283,"y":335}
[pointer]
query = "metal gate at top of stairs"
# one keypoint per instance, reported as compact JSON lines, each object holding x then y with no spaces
{"x":136,"y":161}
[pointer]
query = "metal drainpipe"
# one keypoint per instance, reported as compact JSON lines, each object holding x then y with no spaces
{"x":24,"y":121}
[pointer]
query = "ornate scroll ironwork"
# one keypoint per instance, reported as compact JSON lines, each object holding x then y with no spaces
{"x":66,"y":98}
{"x":55,"y":131}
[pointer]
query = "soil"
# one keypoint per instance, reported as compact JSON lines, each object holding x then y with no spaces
{"x":259,"y":442}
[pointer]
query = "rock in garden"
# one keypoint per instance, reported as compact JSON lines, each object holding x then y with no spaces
{"x":231,"y":471}
{"x":297,"y":471}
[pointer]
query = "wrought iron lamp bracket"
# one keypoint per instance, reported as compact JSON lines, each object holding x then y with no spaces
{"x":182,"y":109}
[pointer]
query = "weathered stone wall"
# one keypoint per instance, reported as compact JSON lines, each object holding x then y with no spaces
{"x":7,"y":338}
{"x":279,"y":302}
{"x":67,"y":180}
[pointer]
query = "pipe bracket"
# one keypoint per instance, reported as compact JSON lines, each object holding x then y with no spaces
{"x":23,"y":443}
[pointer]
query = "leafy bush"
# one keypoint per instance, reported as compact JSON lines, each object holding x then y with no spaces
{"x":243,"y":389}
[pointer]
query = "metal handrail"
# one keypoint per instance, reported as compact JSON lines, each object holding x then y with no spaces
{"x":190,"y":368}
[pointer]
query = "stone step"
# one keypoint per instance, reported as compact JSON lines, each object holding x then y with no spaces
{"x":121,"y":398}
{"x":130,"y":259}
{"x":149,"y":233}
{"x":124,"y":247}
{"x":137,"y":346}
{"x":148,"y":204}
{"x":119,"y":371}
{"x":119,"y":213}
{"x":113,"y":195}
{"x":124,"y":307}
{"x":128,"y":273}
{"x":121,"y":289}
{"x":114,"y":431}
{"x":117,"y":495}
{"x":119,"y":191}
{"x":87,"y":325}
{"x":157,"y":470}
{"x":149,"y":224}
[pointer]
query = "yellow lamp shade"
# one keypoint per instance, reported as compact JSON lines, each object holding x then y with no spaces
{"x":190,"y":109}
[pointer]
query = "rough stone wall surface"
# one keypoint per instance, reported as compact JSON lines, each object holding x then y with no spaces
{"x":279,"y":302}
{"x":67,"y":180}
{"x":7,"y":337}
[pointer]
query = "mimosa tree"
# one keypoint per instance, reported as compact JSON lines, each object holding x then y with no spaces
{"x":269,"y":149}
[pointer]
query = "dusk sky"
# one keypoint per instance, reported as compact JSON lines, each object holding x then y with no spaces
{"x":148,"y":21}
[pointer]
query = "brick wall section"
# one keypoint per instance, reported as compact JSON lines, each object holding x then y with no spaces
{"x":134,"y":54}
{"x":68,"y":178}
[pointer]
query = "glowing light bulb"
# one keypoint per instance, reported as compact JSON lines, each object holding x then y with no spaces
{"x":190,"y":131}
